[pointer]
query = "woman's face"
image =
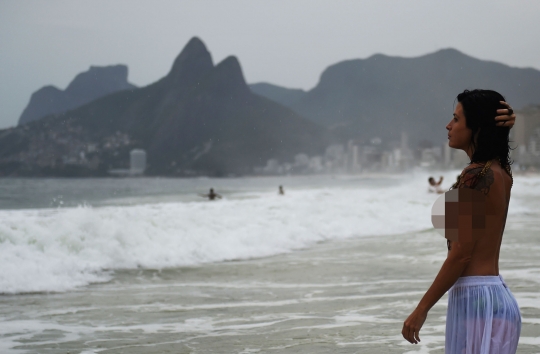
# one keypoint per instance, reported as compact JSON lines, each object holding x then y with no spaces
{"x":459,"y":136}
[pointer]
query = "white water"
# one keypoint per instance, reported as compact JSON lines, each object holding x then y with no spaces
{"x":60,"y":249}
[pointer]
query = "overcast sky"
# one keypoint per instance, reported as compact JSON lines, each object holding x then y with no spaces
{"x":285,"y":42}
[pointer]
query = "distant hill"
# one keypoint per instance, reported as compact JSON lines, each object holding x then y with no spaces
{"x":282,"y":95}
{"x":200,"y":119}
{"x":383,"y":95}
{"x":85,"y":87}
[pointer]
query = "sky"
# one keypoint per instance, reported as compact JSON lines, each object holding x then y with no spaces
{"x":284,"y":42}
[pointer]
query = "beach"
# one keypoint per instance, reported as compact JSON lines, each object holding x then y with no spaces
{"x":335,"y":265}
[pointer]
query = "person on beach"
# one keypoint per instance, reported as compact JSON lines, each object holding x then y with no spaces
{"x":482,"y":317}
{"x":435,"y":187}
{"x":211,"y":195}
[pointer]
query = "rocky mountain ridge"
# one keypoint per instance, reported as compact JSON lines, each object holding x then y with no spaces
{"x":382,"y":95}
{"x":199,"y":119}
{"x":85,"y":87}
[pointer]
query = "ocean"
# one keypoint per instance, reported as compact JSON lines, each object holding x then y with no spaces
{"x":147,"y":265}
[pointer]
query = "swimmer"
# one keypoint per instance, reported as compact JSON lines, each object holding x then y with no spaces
{"x":435,"y":187}
{"x":281,"y":191}
{"x":211,"y":195}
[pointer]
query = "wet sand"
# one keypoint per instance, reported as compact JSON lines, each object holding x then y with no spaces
{"x":337,"y":297}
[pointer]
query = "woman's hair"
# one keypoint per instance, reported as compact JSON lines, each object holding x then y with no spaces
{"x":488,"y":140}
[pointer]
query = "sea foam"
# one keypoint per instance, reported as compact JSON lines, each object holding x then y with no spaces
{"x":60,"y":249}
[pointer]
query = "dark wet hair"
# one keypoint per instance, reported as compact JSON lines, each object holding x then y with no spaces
{"x":488,"y":140}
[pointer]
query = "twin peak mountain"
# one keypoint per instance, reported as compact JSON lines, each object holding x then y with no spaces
{"x":199,"y":119}
{"x":203,"y":119}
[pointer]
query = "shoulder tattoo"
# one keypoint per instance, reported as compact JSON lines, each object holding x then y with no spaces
{"x":474,"y":178}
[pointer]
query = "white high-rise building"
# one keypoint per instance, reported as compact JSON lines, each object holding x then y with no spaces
{"x":137,"y":161}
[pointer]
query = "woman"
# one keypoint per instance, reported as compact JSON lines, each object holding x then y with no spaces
{"x":483,"y":316}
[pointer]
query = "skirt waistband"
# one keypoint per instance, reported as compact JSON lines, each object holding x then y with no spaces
{"x":480,"y":280}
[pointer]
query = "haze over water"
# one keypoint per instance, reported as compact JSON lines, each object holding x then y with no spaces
{"x":148,"y":266}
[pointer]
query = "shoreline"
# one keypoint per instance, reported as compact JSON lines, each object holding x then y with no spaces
{"x":336,"y":296}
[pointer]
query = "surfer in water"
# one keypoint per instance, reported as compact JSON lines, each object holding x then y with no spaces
{"x":483,"y":316}
{"x":211,"y":195}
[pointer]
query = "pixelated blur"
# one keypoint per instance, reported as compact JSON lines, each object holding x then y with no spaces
{"x":460,"y":213}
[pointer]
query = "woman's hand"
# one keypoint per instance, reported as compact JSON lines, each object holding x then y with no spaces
{"x":412,"y":325}
{"x":505,"y":116}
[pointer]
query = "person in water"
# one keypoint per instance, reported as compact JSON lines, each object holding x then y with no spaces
{"x":435,"y":187}
{"x":482,"y":317}
{"x":211,"y":195}
{"x":281,"y":191}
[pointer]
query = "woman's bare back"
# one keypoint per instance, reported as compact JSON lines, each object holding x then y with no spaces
{"x":495,"y":185}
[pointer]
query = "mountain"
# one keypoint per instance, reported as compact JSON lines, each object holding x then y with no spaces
{"x":282,"y":95}
{"x":199,"y":119}
{"x":383,"y":95}
{"x":85,"y":87}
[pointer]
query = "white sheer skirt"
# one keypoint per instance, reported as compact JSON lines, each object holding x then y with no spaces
{"x":483,"y":317}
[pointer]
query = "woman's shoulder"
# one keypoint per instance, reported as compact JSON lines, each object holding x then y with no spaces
{"x":478,"y":176}
{"x":473,"y":169}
